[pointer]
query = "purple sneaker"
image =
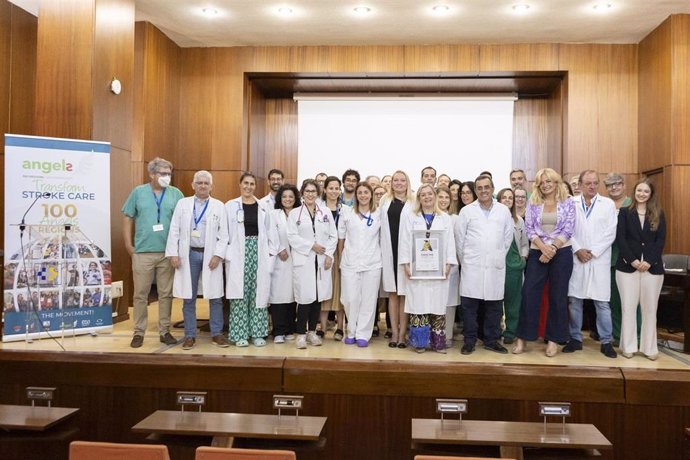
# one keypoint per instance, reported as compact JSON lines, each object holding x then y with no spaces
{"x":349,"y":340}
{"x":361,"y":343}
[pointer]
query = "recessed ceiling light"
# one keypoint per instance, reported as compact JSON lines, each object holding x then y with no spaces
{"x":362,"y":10}
{"x":440,"y":9}
{"x":602,"y":7}
{"x":521,"y":8}
{"x":209,"y":12}
{"x":285,"y":10}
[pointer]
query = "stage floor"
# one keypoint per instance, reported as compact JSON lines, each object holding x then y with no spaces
{"x":118,"y":342}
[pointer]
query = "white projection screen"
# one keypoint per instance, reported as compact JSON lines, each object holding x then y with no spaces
{"x":460,"y":138}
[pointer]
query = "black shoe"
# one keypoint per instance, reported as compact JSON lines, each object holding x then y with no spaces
{"x":467,"y":349}
{"x":388,"y":335}
{"x":137,"y":341}
{"x":508,"y":340}
{"x":608,"y":351}
{"x":572,"y":346}
{"x":495,"y":347}
{"x":375,"y":332}
{"x":168,"y":339}
{"x":320,"y":333}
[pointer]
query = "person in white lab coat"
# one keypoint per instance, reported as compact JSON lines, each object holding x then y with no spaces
{"x":395,"y":204}
{"x":282,"y":296}
{"x":313,"y":239}
{"x":248,"y":266}
{"x":359,"y":231}
{"x":426,"y":298}
{"x":196,"y":247}
{"x":595,"y":231}
{"x":443,"y":195}
{"x":483,"y":233}
{"x":275,"y":178}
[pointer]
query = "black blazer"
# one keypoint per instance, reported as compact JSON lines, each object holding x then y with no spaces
{"x":635,"y":241}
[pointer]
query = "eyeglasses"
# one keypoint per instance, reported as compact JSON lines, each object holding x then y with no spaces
{"x":164,"y":173}
{"x":309,"y":191}
{"x":520,"y":197}
{"x":615,"y":184}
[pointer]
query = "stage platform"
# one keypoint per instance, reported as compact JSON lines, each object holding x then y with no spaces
{"x":369,"y":395}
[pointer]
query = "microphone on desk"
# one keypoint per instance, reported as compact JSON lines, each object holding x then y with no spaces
{"x":22,"y":224}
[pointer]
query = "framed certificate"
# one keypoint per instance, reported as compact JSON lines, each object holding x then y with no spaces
{"x":428,"y":254}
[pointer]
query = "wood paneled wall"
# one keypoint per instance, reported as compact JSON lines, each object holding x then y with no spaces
{"x":17,"y":80}
{"x":664,"y":121}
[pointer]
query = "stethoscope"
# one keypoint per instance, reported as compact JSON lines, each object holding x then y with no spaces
{"x":317,"y":211}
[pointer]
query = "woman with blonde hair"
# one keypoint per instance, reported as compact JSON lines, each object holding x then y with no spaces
{"x":445,"y":201}
{"x":395,"y":204}
{"x":550,"y":223}
{"x":640,"y":237}
{"x":426,"y":298}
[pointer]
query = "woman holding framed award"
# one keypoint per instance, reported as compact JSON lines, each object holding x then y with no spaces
{"x":427,"y":253}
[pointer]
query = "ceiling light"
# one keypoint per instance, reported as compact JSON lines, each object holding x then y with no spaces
{"x":362,"y":10}
{"x":285,"y":11}
{"x":521,"y":8}
{"x":602,"y":7}
{"x":209,"y":12}
{"x":441,"y":9}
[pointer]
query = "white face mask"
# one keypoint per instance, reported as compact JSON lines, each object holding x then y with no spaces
{"x":164,"y":181}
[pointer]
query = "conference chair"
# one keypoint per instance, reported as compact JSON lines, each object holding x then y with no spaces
{"x":230,"y":453}
{"x":86,"y":450}
{"x":672,"y":296}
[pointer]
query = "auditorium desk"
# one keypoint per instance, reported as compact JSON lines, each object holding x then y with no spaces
{"x":511,"y":437}
{"x":225,"y":427}
{"x":32,"y":418}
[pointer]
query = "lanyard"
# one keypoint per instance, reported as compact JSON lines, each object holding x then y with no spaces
{"x":159,"y":202}
{"x":370,"y":220}
{"x":201,"y":216}
{"x":428,"y":220}
{"x":587,"y":210}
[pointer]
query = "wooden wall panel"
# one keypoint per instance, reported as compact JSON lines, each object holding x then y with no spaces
{"x":65,"y":69}
{"x":680,"y":78}
{"x":518,"y":57}
{"x":113,"y":57}
{"x":675,"y":205}
{"x":258,"y":154}
{"x":437,"y":59}
{"x":281,"y":137}
{"x":228,"y":135}
{"x":601,"y":110}
{"x":655,"y":94}
{"x":555,"y":114}
{"x":530,"y":136}
{"x":367,"y":59}
{"x":23,"y":68}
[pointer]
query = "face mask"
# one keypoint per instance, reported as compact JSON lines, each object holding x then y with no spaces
{"x":164,"y":181}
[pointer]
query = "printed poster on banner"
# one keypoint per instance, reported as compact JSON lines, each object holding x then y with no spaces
{"x":58,"y":271}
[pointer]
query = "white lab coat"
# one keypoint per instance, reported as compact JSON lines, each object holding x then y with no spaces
{"x":482,"y":244}
{"x":425,"y":296}
{"x":592,"y":280}
{"x":453,"y":277}
{"x":234,"y":257}
{"x":388,"y":278}
{"x":282,"y":290}
{"x":215,"y":244}
{"x":311,"y":284}
{"x":269,"y":202}
{"x":362,"y":249}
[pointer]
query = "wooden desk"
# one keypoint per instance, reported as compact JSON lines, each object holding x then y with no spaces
{"x":225,"y":427}
{"x":682,"y":280}
{"x":511,"y":437}
{"x":28,"y":418}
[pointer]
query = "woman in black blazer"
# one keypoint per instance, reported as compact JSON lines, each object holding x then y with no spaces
{"x":639,"y":269}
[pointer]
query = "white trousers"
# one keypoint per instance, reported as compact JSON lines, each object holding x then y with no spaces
{"x":359,"y":293}
{"x":641,"y":288}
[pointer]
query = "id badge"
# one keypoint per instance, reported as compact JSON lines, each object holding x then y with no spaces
{"x":240,"y":216}
{"x":158,"y":228}
{"x":196,"y":233}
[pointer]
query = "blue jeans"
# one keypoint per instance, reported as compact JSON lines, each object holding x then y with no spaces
{"x":604,"y":325}
{"x":215,"y":307}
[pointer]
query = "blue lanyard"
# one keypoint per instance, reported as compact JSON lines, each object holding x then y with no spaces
{"x":370,"y":220}
{"x":159,"y":202}
{"x":428,"y":221}
{"x":196,"y":221}
{"x":587,"y":210}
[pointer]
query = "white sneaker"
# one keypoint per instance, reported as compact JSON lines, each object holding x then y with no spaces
{"x":279,"y":339}
{"x":313,"y":339}
{"x":290,"y":337}
{"x":301,"y":341}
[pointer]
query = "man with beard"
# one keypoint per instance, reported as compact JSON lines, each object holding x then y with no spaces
{"x":350,"y":180}
{"x":276,"y":178}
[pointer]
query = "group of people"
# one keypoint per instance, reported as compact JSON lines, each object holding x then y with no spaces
{"x":339,"y":244}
